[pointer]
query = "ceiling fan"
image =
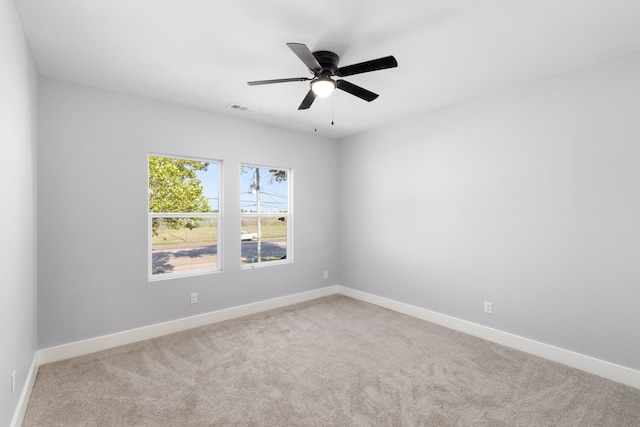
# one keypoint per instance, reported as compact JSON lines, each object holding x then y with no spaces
{"x":324,"y":65}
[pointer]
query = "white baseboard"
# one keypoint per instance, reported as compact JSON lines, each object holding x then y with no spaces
{"x":21,"y":410}
{"x":588,"y":364}
{"x":79,"y":348}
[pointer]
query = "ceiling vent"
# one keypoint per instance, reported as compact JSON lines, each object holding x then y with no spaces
{"x":241,"y":108}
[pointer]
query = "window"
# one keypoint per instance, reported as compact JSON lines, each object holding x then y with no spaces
{"x":184,"y":209}
{"x":265,"y":216}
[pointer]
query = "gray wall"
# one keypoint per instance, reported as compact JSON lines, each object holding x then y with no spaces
{"x":18,"y":142}
{"x":93,"y":211}
{"x":529,"y":199}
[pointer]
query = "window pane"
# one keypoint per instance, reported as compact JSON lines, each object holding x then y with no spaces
{"x":184,"y":244}
{"x":264,"y":205}
{"x":210,"y":186}
{"x":263,"y":239}
{"x":182,"y":186}
{"x":184,"y":210}
{"x":264,"y":190}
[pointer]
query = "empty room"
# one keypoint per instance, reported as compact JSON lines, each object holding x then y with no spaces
{"x":437,"y":204}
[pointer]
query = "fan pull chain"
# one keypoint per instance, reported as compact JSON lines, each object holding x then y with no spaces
{"x":332,"y":97}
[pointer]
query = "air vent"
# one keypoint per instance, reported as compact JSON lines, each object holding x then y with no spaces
{"x":241,"y":108}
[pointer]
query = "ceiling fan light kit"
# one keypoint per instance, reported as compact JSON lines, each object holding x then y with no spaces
{"x":323,"y":86}
{"x":323,"y":65}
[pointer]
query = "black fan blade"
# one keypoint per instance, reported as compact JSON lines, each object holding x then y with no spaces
{"x":365,"y":67}
{"x":305,"y":55}
{"x":268,"y":82}
{"x":308,"y":100}
{"x":356,"y":90}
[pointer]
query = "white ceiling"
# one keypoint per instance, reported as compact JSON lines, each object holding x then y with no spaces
{"x":201,"y":53}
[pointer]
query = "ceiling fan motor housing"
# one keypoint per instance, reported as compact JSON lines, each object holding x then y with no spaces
{"x":328,"y":61}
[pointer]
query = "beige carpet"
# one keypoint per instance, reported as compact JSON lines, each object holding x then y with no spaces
{"x":334,"y":361}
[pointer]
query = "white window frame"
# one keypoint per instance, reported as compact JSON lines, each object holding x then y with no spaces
{"x":288,"y":215}
{"x":218,"y":216}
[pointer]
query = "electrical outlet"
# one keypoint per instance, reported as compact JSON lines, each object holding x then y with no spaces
{"x":13,"y":382}
{"x":326,"y":274}
{"x":194,"y":298}
{"x":488,"y":307}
